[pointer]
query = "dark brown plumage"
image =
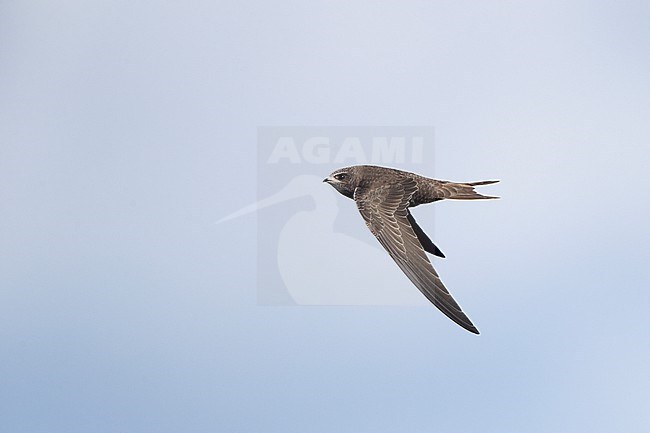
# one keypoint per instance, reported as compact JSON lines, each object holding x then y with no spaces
{"x":384,"y":196}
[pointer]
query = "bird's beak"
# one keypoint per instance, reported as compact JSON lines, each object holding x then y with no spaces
{"x":327,"y":179}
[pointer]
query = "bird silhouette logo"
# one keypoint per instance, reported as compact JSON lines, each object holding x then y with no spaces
{"x":317,"y":264}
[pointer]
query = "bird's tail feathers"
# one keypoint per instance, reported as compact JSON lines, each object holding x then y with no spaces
{"x":465,"y":191}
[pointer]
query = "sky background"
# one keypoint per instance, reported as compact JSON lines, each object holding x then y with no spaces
{"x":129,"y":128}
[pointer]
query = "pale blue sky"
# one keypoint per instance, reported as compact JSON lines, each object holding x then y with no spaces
{"x":128,"y":128}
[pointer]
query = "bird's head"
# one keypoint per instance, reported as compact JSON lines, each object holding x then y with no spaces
{"x":344,"y":180}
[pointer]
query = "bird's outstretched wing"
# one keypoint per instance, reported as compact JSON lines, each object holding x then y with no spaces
{"x":385,"y":210}
{"x":426,"y":243}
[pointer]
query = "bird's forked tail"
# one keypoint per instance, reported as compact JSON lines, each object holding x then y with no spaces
{"x":465,"y":191}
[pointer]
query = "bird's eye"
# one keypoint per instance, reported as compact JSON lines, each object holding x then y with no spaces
{"x":341,"y":176}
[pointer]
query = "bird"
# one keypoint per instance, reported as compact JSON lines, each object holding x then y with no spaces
{"x":383,"y":197}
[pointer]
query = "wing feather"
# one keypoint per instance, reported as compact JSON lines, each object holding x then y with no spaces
{"x":385,"y":211}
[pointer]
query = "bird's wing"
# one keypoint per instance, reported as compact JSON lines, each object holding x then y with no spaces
{"x":426,"y":243}
{"x":385,"y":210}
